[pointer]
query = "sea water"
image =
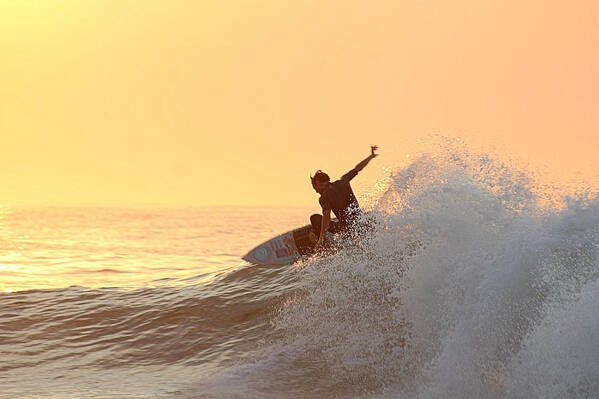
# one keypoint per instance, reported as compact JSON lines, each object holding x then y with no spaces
{"x":471,"y":280}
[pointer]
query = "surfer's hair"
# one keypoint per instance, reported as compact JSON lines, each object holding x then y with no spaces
{"x":319,"y":176}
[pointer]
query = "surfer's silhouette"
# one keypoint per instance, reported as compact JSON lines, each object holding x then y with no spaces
{"x":339,"y":198}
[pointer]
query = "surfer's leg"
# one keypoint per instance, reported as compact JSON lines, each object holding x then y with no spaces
{"x":337,"y":227}
{"x":316,"y":221}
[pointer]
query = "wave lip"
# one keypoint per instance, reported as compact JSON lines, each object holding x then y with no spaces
{"x":468,"y":264}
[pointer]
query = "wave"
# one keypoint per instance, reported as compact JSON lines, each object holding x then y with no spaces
{"x":472,"y":281}
{"x":208,"y":323}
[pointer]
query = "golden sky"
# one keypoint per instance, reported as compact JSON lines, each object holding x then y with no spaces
{"x":236,"y":102}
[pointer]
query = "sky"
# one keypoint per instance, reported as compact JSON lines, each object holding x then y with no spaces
{"x":236,"y":102}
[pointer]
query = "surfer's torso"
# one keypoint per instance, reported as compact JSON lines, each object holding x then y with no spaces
{"x":339,"y":197}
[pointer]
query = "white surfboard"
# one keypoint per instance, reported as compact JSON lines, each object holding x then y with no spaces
{"x":283,"y":249}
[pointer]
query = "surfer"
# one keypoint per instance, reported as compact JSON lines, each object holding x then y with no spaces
{"x":337,"y":197}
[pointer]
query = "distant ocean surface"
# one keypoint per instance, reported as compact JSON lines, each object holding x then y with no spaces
{"x":132,"y":303}
{"x":474,"y":282}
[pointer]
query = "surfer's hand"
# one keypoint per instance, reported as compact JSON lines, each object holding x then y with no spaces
{"x":373,"y":148}
{"x":322,"y":243}
{"x":372,"y":155}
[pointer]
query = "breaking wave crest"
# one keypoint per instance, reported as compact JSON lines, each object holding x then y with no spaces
{"x":476,"y":282}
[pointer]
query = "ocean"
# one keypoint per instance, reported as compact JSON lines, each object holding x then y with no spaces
{"x":472,"y":281}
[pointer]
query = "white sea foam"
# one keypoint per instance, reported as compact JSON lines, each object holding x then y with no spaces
{"x":474,"y":283}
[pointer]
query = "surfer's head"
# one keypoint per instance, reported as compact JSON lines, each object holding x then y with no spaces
{"x":320,"y":181}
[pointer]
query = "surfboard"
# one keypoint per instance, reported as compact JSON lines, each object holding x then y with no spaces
{"x":283,"y":249}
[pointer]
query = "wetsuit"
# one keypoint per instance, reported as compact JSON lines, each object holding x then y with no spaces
{"x":339,"y":198}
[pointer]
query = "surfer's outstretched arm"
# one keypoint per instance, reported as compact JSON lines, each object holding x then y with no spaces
{"x":362,"y":164}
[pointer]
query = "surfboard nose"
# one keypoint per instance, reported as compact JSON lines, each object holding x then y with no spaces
{"x":248,"y":258}
{"x":259,"y":254}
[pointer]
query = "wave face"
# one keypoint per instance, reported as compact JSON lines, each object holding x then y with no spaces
{"x":132,"y":303}
{"x":471,"y":282}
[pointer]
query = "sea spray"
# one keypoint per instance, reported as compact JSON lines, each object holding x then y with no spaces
{"x":450,"y":293}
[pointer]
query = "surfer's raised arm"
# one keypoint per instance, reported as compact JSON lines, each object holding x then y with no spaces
{"x":337,"y":197}
{"x":362,"y":164}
